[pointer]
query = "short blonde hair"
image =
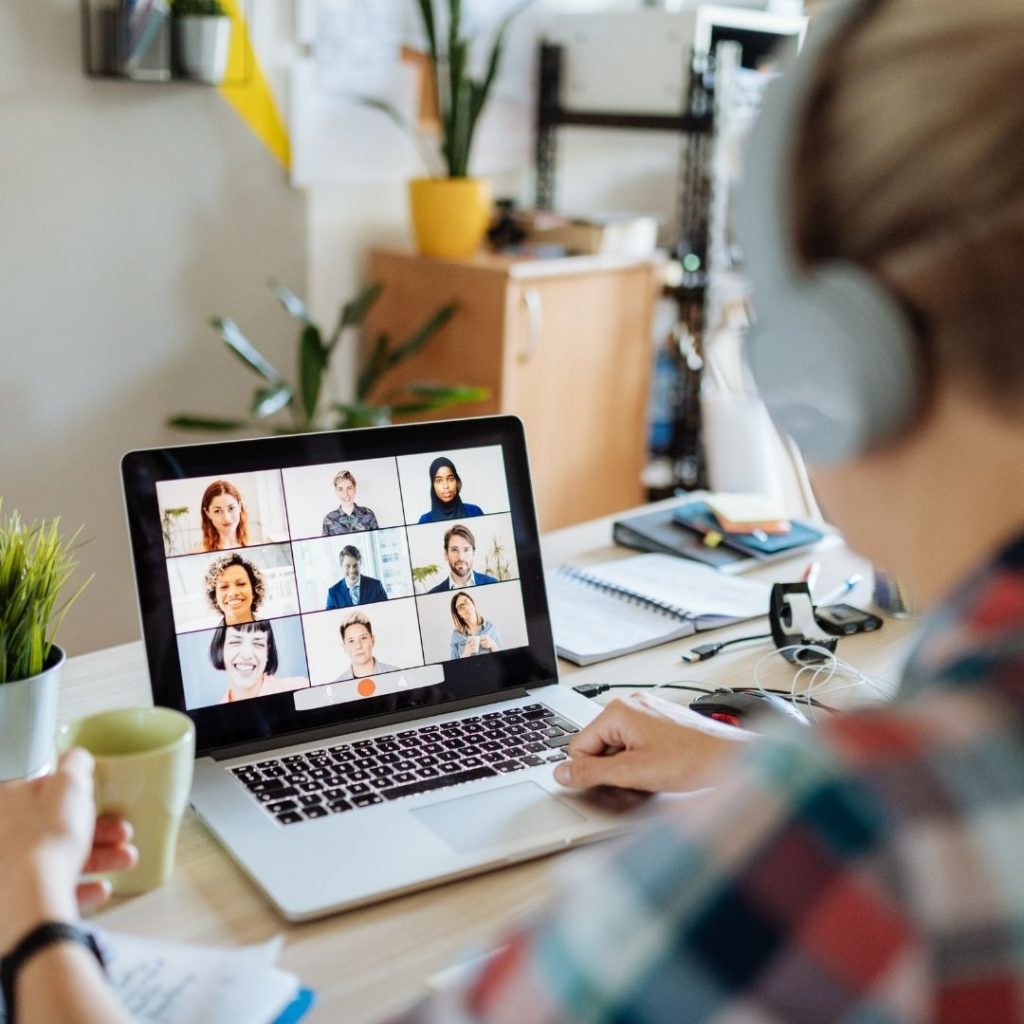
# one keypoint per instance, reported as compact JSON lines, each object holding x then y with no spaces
{"x":911,"y":164}
{"x":355,"y":619}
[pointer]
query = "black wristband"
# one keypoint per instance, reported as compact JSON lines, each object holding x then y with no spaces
{"x":37,"y":939}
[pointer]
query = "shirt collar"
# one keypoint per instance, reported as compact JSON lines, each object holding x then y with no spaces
{"x":977,"y":635}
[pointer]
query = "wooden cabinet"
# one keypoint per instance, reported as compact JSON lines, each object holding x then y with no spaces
{"x":564,"y":344}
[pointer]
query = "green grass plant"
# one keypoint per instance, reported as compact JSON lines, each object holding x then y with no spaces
{"x":36,"y":564}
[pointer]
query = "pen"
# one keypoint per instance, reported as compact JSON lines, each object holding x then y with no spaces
{"x":810,"y":576}
{"x":841,"y":591}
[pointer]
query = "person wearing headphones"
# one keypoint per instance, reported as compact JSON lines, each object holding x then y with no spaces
{"x":869,"y":869}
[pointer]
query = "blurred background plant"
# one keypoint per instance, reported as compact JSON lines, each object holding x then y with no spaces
{"x":303,"y":403}
{"x":460,"y":97}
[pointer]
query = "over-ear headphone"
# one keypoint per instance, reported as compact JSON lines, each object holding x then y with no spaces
{"x":831,"y":351}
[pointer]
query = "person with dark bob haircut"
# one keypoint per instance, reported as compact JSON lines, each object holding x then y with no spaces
{"x":247,"y":653}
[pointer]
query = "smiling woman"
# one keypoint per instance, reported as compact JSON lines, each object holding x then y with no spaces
{"x":225,"y":522}
{"x":247,"y":654}
{"x":234,"y":588}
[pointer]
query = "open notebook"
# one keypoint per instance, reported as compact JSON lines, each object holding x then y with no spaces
{"x":618,"y":607}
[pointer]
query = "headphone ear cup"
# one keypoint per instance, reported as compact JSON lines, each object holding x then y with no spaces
{"x":833,"y":357}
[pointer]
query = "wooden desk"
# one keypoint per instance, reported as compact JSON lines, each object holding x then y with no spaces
{"x":367,"y":963}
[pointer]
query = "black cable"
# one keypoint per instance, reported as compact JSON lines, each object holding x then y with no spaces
{"x":705,"y":651}
{"x":595,"y":689}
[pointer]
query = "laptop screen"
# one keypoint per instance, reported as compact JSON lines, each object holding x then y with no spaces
{"x":293,"y":584}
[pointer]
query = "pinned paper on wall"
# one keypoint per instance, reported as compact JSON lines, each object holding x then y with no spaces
{"x":358,"y":50}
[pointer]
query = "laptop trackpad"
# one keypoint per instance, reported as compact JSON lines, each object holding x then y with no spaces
{"x":497,"y":817}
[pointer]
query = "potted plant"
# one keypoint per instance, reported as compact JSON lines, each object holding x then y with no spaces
{"x":202,"y":35}
{"x":35,"y":566}
{"x":451,"y":210}
{"x":304,"y":402}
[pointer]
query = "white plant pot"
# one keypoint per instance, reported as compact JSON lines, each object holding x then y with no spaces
{"x":28,"y":721}
{"x":203,"y":43}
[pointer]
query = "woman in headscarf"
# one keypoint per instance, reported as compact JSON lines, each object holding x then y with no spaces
{"x":446,"y":494}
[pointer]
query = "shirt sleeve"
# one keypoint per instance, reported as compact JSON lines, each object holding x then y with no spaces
{"x":735,"y":904}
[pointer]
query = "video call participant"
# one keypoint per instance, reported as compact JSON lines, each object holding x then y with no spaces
{"x":867,"y":869}
{"x":354,"y":588}
{"x":348,"y":517}
{"x":472,"y":634}
{"x":234,"y":588}
{"x":223,"y":518}
{"x":446,"y":495}
{"x":247,"y":654}
{"x":358,"y":639}
{"x":459,"y":550}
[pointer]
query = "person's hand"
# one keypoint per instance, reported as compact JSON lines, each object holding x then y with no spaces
{"x":488,"y":644}
{"x":48,"y":836}
{"x":472,"y":646}
{"x":648,"y":743}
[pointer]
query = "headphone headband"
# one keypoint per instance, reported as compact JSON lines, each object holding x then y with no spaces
{"x":831,"y":350}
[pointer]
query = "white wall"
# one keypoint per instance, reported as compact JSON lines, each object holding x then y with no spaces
{"x":129,"y":214}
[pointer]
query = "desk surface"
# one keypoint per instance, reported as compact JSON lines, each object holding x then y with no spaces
{"x":369,"y":962}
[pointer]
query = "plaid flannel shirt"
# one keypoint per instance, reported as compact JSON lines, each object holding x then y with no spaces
{"x":870,"y":872}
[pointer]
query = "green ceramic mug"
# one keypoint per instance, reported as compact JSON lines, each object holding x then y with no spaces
{"x":144,"y":759}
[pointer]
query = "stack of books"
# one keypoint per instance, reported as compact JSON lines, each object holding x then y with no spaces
{"x":729,"y":532}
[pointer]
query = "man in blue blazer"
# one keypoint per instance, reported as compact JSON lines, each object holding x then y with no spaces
{"x":459,"y":549}
{"x":353,"y":588}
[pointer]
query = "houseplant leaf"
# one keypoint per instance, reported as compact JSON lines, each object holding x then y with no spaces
{"x":432,"y":397}
{"x":352,"y":313}
{"x":421,"y":336}
{"x":267,"y":401}
{"x":312,"y":361}
{"x":373,"y":368}
{"x":212,"y":424}
{"x":243,"y":348}
{"x":294,"y":306}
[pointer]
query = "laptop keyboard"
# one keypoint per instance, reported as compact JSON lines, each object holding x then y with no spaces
{"x":330,"y":780}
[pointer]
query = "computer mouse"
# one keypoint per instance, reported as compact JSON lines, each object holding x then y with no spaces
{"x":737,"y":707}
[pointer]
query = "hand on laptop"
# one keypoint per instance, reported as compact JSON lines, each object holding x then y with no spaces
{"x":645,"y":742}
{"x":49,"y":835}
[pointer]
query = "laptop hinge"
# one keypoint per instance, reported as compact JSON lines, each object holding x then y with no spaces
{"x":343,"y":728}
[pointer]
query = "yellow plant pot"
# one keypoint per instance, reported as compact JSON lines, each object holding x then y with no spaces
{"x":450,"y":216}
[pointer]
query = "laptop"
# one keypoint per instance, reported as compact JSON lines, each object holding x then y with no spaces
{"x":357,"y":624}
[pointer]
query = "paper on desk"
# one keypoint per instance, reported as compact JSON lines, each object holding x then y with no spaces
{"x":172,"y":983}
{"x":674,"y":582}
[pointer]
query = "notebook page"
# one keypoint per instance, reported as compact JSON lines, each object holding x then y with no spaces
{"x":592,"y":624}
{"x":676,"y":582}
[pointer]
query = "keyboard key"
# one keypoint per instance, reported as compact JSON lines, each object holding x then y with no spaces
{"x":289,"y":817}
{"x":284,"y":793}
{"x":338,"y":793}
{"x":558,"y":741}
{"x":337,"y":806}
{"x":282,"y":805}
{"x":316,"y":812}
{"x":310,"y":800}
{"x":532,"y":760}
{"x":367,"y":799}
{"x":358,"y":789}
{"x":441,"y":782}
{"x":507,"y":766}
{"x":558,"y":755}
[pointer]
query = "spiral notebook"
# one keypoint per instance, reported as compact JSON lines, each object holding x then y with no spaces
{"x":613,"y":608}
